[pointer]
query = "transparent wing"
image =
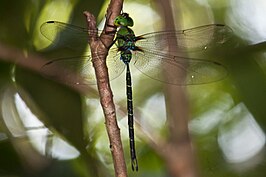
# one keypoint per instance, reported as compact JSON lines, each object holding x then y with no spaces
{"x":67,"y":35}
{"x":79,"y":70}
{"x":63,"y":34}
{"x":178,"y":70}
{"x":158,"y":61}
{"x":194,"y":39}
{"x":75,"y":69}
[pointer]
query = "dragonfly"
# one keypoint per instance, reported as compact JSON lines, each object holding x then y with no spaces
{"x":155,"y":54}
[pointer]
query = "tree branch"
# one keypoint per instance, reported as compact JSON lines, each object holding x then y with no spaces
{"x":35,"y":62}
{"x":99,"y":51}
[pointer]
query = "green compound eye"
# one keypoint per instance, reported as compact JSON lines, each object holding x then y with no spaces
{"x":123,"y":20}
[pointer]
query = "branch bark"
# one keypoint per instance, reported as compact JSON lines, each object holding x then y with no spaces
{"x":99,"y":50}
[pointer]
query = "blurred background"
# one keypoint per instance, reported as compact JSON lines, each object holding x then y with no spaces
{"x":49,"y":129}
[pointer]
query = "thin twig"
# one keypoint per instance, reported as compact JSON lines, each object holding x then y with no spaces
{"x":100,"y":45}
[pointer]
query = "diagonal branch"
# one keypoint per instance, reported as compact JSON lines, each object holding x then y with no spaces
{"x":98,"y":45}
{"x":35,"y":62}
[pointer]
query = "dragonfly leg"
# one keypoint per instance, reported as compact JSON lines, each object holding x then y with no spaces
{"x":109,"y":25}
{"x":109,"y":32}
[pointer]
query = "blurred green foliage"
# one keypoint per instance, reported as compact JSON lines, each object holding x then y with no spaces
{"x":67,"y":115}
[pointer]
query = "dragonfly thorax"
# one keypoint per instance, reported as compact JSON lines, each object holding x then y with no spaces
{"x":126,"y":40}
{"x":125,"y":36}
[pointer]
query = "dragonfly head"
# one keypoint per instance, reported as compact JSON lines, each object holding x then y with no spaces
{"x":123,"y":20}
